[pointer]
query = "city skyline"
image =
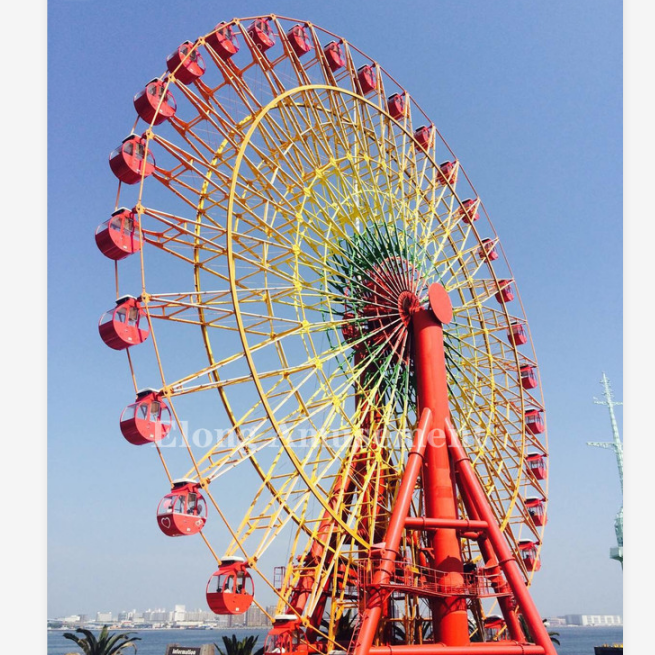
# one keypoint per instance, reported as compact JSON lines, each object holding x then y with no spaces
{"x":257,"y":618}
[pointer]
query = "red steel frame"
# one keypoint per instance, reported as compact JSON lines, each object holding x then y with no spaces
{"x":438,"y":454}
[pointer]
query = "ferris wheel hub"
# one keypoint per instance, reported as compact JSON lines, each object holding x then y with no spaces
{"x":381,"y":305}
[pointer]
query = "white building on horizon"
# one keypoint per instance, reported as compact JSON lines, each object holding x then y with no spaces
{"x":594,"y":619}
{"x":104,"y":617}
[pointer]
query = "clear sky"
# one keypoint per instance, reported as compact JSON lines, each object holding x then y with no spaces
{"x":528,"y":95}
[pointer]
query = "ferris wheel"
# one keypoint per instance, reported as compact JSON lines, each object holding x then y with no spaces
{"x":297,"y":251}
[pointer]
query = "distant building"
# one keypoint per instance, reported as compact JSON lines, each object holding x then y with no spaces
{"x":555,"y":621}
{"x":255,"y":618}
{"x":202,"y":616}
{"x":156,"y":616}
{"x":236,"y":621}
{"x":104,"y":617}
{"x":594,"y":619}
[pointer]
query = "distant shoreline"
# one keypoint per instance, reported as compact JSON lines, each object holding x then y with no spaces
{"x":265,"y":628}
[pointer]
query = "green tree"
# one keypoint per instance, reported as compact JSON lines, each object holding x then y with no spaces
{"x":524,"y":625}
{"x":234,"y":646}
{"x":105,"y":644}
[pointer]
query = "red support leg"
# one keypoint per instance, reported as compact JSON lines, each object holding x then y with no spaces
{"x":505,"y":603}
{"x":449,"y":614}
{"x":373,"y":611}
{"x":505,"y":557}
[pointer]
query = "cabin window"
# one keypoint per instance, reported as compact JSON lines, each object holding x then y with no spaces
{"x":155,"y":410}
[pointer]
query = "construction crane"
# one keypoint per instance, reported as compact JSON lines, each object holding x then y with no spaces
{"x":615,"y":445}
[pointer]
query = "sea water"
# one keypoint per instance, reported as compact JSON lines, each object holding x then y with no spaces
{"x":573,"y":640}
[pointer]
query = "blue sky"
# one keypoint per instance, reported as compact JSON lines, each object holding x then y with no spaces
{"x":528,"y":95}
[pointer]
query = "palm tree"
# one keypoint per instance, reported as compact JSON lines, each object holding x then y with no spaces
{"x":106,"y":643}
{"x":344,"y":627}
{"x":475,"y":633}
{"x":524,"y":625}
{"x":235,"y":646}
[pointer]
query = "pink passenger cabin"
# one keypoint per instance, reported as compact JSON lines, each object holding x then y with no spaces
{"x":125,"y":325}
{"x":424,"y":137}
{"x":119,"y":237}
{"x":537,"y":510}
{"x":155,"y":104}
{"x":186,"y":63}
{"x":286,"y":636}
{"x":130,"y":161}
{"x":536,"y":463}
{"x":447,"y":172}
{"x":397,"y":105}
{"x":183,"y":511}
{"x":534,"y":421}
{"x":261,"y":33}
{"x":223,"y":41}
{"x":334,"y":56}
{"x":488,"y":250}
{"x":505,"y":292}
{"x":528,"y":377}
{"x":298,"y":38}
{"x":147,"y":420}
{"x":528,"y":554}
{"x":517,"y":334}
{"x":367,"y":79}
{"x":230,"y":589}
{"x":468,"y":211}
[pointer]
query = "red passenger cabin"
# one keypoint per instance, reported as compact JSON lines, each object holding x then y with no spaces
{"x":334,"y":55}
{"x":505,"y":292}
{"x":488,"y":249}
{"x":261,"y":33}
{"x":517,"y":334}
{"x":469,"y":210}
{"x":528,"y":553}
{"x":537,"y":464}
{"x":299,"y":40}
{"x":146,"y":420}
{"x":424,"y":136}
{"x":534,"y":421}
{"x":367,"y":79}
{"x":493,"y":627}
{"x":397,"y":105}
{"x":125,"y":325}
{"x":286,"y":636}
{"x":119,"y":237}
{"x":186,"y":63}
{"x":537,"y":510}
{"x":447,"y":172}
{"x":183,"y":511}
{"x":155,"y":104}
{"x":130,"y":161}
{"x":223,"y":41}
{"x":230,"y":589}
{"x":528,"y":377}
